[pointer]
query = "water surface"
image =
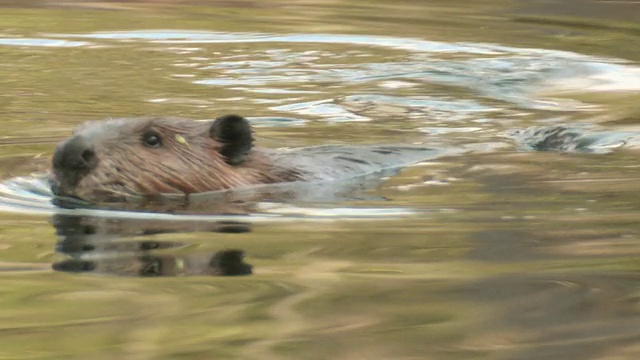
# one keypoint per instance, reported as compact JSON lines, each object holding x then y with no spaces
{"x":516,"y":246}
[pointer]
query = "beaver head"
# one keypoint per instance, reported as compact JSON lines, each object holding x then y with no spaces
{"x":111,"y":159}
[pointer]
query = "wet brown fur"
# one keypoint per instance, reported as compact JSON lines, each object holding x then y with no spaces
{"x":189,"y":161}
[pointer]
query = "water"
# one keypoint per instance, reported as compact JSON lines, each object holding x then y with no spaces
{"x":521,"y":244}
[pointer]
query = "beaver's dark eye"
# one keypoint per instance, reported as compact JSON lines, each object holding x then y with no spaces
{"x":152,"y":140}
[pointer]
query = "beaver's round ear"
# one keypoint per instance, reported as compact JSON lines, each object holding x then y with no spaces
{"x":234,"y":132}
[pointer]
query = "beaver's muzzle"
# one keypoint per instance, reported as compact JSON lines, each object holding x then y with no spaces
{"x":73,"y":159}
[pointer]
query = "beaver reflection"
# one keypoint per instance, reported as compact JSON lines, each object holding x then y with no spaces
{"x":99,"y":245}
{"x":224,"y":263}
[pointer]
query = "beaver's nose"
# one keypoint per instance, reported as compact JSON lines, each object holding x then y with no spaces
{"x":76,"y":154}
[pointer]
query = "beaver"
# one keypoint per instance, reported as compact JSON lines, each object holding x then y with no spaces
{"x":111,"y":160}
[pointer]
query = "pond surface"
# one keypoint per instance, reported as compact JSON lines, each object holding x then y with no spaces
{"x":496,"y":251}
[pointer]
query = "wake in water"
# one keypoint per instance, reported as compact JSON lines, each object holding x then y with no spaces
{"x":585,"y":139}
{"x":502,"y":86}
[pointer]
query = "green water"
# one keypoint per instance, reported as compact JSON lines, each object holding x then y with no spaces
{"x":499,"y":253}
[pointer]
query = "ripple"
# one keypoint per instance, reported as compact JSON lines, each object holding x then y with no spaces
{"x":32,"y":195}
{"x":448,"y":130}
{"x":202,"y":37}
{"x":26,"y":194}
{"x":273,"y":121}
{"x":514,"y":75}
{"x":326,"y":109}
{"x":434,"y":109}
{"x":576,"y":138}
{"x":171,"y":36}
{"x":41,"y":42}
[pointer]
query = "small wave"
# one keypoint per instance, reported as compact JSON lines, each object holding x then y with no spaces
{"x":32,"y":195}
{"x":26,"y":194}
{"x":524,"y":77}
{"x":326,"y":109}
{"x":575,"y":138}
{"x":41,"y":42}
